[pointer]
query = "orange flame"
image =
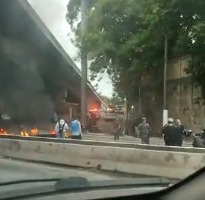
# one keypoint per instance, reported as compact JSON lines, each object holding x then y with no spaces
{"x":3,"y":132}
{"x":52,"y":132}
{"x":34,"y":131}
{"x":68,"y":134}
{"x":24,"y":133}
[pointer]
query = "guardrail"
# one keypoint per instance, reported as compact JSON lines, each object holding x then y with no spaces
{"x":112,"y":158}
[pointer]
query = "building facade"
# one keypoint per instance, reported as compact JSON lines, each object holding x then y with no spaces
{"x":183,"y":96}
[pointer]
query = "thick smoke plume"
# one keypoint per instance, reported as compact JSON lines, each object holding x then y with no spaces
{"x":22,"y":89}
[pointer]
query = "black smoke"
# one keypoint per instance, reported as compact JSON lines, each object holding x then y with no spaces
{"x":22,"y":89}
{"x":33,"y":74}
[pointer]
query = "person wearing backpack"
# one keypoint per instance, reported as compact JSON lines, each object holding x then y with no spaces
{"x":61,"y":128}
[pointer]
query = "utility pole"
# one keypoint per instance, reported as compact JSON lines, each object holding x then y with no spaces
{"x":84,"y":17}
{"x":165,"y":111}
{"x":139,"y":96}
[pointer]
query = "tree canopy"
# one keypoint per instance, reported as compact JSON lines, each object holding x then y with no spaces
{"x":115,"y":100}
{"x":126,"y":38}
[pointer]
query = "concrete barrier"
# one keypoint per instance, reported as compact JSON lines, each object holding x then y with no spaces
{"x":129,"y":160}
{"x":106,"y":143}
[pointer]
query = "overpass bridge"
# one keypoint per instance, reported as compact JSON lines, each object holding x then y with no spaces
{"x":26,"y":43}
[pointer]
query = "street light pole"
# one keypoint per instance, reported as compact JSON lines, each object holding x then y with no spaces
{"x":165,"y":111}
{"x":84,"y":8}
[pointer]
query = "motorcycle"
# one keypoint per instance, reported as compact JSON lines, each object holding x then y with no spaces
{"x":188,"y":133}
{"x":199,"y":140}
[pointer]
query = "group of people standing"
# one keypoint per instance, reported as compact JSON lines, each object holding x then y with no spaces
{"x":173,"y":133}
{"x":74,"y":127}
{"x":143,"y":129}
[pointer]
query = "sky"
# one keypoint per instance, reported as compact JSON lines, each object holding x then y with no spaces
{"x":52,"y":13}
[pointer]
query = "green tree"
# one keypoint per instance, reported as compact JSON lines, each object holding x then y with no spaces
{"x":126,"y":38}
{"x":114,"y":40}
{"x":184,"y":24}
{"x":114,"y":100}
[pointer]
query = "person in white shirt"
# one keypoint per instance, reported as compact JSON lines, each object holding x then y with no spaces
{"x":61,"y":128}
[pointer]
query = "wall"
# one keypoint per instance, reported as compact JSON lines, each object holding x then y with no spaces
{"x":183,"y":96}
{"x":149,"y":101}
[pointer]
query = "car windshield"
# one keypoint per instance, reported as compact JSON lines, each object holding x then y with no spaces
{"x":107,"y":85}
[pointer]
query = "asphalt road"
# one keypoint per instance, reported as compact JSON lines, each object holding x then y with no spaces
{"x":12,"y":170}
{"x":106,"y":137}
{"x":127,"y":139}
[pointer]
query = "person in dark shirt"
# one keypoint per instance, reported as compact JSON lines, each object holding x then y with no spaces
{"x":116,"y":128}
{"x":169,"y":131}
{"x":144,"y":131}
{"x":180,"y":133}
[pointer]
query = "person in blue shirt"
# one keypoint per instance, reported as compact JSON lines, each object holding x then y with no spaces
{"x":75,"y":128}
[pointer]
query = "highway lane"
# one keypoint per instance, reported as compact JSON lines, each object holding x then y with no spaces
{"x":15,"y":170}
{"x":127,"y":139}
{"x":12,"y":170}
{"x":106,"y":137}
